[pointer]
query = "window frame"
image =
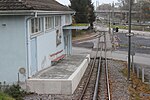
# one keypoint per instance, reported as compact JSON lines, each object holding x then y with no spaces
{"x":67,"y":19}
{"x":36,"y":25}
{"x":58,"y":21}
{"x":49,"y":22}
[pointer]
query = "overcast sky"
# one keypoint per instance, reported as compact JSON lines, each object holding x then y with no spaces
{"x":66,"y":2}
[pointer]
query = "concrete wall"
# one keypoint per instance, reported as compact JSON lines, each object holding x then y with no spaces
{"x":58,"y":86}
{"x":12,"y":50}
{"x":49,"y":86}
{"x":78,"y":74}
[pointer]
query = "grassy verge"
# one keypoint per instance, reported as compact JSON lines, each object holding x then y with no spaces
{"x":5,"y":97}
{"x":137,"y":89}
{"x":81,"y":34}
{"x":81,"y":24}
{"x":138,"y":28}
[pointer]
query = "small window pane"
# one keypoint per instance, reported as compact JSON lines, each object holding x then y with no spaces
{"x":49,"y":22}
{"x":36,"y":25}
{"x":57,"y":21}
{"x":67,"y":19}
{"x":32,"y":25}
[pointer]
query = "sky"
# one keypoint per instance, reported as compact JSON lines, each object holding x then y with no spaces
{"x":67,"y":2}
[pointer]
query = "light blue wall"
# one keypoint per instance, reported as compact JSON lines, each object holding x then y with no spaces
{"x":12,"y":47}
{"x":46,"y":45}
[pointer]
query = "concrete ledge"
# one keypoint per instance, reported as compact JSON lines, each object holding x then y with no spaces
{"x":58,"y":86}
{"x":78,"y":74}
{"x":49,"y":86}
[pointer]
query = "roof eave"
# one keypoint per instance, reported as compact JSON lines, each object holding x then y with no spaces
{"x":54,"y":12}
{"x":32,"y":12}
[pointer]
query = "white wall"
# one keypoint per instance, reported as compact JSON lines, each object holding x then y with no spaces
{"x":46,"y":45}
{"x":12,"y":47}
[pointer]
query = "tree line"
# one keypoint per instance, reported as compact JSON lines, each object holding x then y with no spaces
{"x":84,"y":11}
{"x":141,"y":6}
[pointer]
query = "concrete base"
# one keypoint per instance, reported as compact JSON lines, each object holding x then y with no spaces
{"x":58,"y":86}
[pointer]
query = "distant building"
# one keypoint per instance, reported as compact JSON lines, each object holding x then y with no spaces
{"x":32,"y":36}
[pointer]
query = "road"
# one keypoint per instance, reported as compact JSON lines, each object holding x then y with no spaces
{"x":140,"y":39}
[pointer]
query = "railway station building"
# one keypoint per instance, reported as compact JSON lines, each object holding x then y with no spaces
{"x":32,"y":37}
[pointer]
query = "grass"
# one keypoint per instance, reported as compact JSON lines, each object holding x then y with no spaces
{"x":123,"y":45}
{"x":79,"y":34}
{"x":81,"y":24}
{"x":138,"y":28}
{"x":138,"y":90}
{"x":5,"y":97}
{"x":120,"y":26}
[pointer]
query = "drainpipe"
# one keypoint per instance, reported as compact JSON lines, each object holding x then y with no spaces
{"x":27,"y":43}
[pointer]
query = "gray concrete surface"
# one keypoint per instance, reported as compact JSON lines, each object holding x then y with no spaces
{"x":62,"y":78}
{"x":62,"y":69}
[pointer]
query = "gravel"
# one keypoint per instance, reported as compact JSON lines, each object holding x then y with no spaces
{"x":119,"y":85}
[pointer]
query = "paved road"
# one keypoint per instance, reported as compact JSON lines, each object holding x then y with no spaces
{"x":140,"y":41}
{"x":123,"y":54}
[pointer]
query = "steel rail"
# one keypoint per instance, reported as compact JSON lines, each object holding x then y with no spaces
{"x":106,"y":65}
{"x":98,"y":77}
{"x":93,"y":64}
{"x":107,"y":76}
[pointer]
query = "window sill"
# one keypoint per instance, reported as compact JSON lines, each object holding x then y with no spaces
{"x":49,"y":30}
{"x":57,"y":27}
{"x":36,"y":34}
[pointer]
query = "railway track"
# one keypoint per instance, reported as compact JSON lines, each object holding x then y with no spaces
{"x":96,"y":84}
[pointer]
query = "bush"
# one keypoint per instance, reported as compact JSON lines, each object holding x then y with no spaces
{"x":15,"y":91}
{"x":5,"y":97}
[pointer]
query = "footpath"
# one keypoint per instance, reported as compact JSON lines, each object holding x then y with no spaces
{"x":138,"y":58}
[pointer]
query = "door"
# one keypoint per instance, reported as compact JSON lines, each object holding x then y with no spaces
{"x":33,"y":68}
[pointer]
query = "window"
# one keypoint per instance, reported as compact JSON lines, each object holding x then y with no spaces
{"x":49,"y":22}
{"x":36,"y":25}
{"x":57,"y":21}
{"x":67,"y":19}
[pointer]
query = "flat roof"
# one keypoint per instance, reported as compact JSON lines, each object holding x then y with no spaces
{"x":75,"y":27}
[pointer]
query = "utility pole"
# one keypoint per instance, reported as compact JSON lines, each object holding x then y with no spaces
{"x":109,"y":22}
{"x":129,"y":47}
{"x":112,"y":23}
{"x":113,"y":17}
